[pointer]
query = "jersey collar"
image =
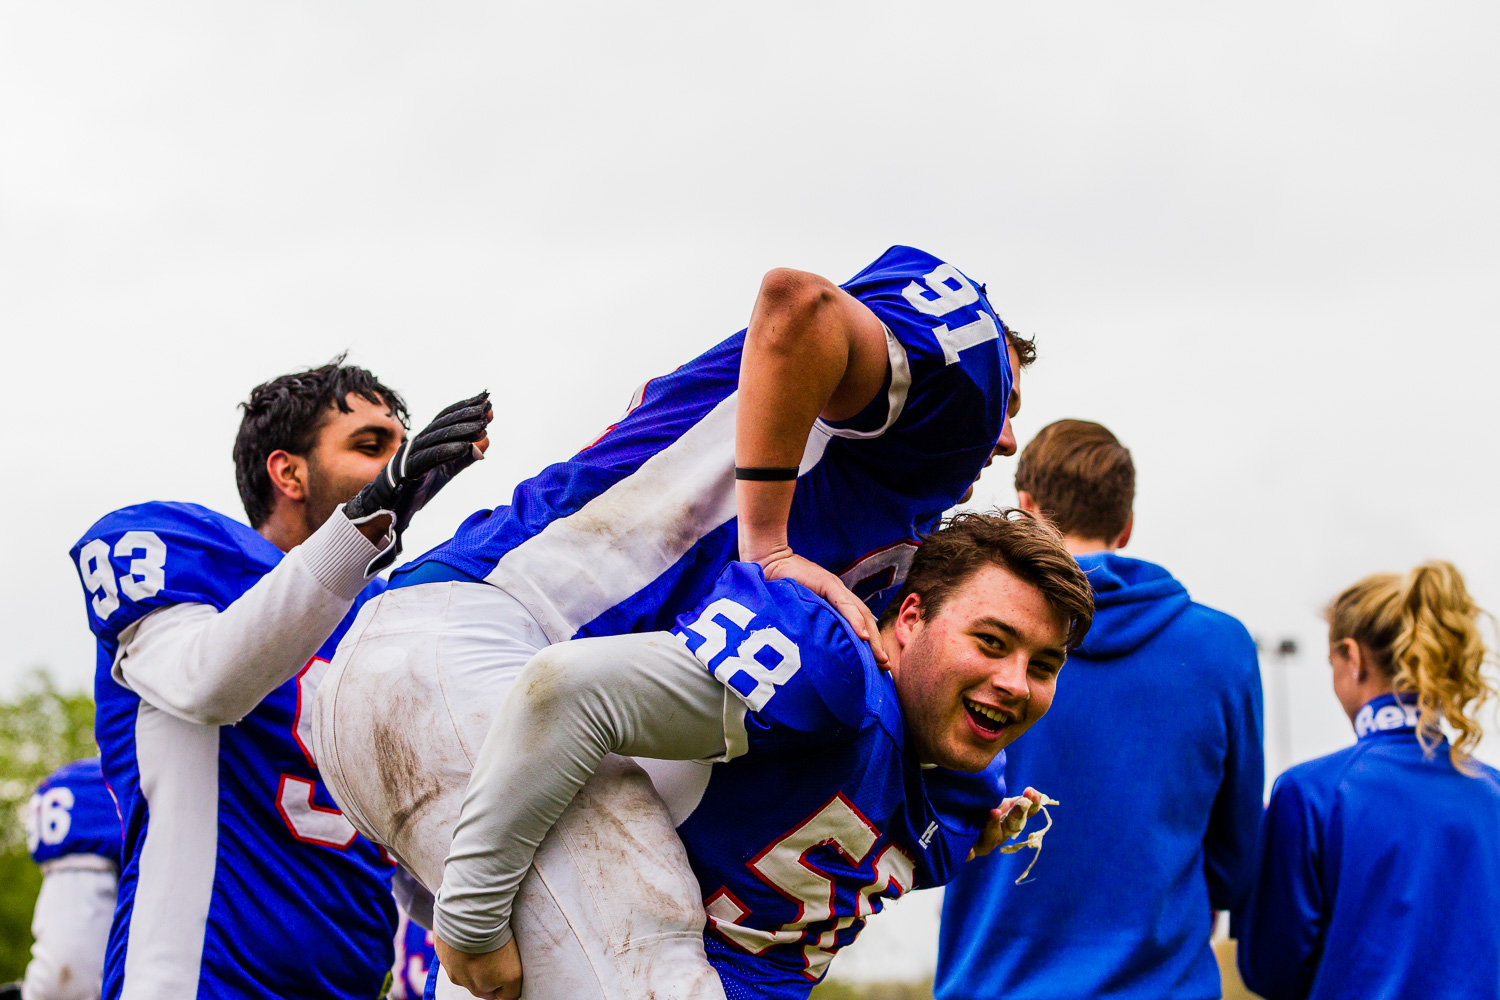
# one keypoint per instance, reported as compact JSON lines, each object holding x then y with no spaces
{"x":1388,"y":713}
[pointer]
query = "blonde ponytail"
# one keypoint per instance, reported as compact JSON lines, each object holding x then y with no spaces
{"x":1423,"y":630}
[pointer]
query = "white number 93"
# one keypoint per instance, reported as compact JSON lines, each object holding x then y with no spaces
{"x":146,"y":577}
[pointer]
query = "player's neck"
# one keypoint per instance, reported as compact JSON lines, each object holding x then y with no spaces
{"x":286,"y":528}
{"x":892,"y":648}
{"x":1077,"y":546}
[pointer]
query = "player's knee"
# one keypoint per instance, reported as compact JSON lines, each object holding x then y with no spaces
{"x":558,"y":673}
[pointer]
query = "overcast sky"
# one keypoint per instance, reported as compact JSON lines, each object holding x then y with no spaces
{"x":1259,"y":243}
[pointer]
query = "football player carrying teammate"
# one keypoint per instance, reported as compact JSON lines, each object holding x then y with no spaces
{"x":818,"y":443}
{"x":73,"y":834}
{"x":834,"y":785}
{"x":239,"y":876}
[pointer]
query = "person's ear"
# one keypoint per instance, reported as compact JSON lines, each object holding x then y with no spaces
{"x":1345,"y":655}
{"x":288,"y":474}
{"x":1359,"y":663}
{"x":908,"y":618}
{"x":1028,"y":503}
{"x":1124,"y":538}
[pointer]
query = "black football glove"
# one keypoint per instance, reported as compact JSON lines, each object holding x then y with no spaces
{"x":421,"y":466}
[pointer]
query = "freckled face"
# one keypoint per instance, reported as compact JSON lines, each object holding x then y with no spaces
{"x":979,"y":672}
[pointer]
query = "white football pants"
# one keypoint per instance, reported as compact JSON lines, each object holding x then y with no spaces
{"x":611,"y":909}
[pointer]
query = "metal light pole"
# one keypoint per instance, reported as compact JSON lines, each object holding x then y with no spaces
{"x":1283,"y":654}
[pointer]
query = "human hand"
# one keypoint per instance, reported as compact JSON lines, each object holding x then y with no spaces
{"x":1008,"y":820}
{"x":495,"y":975}
{"x":784,"y":564}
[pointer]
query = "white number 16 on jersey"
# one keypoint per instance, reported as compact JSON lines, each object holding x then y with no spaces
{"x":715,"y":638}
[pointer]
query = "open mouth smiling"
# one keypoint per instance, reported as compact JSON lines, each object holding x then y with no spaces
{"x":989,"y":720}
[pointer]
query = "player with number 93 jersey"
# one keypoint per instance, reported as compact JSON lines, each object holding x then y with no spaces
{"x":240,"y":875}
{"x":236,"y":816}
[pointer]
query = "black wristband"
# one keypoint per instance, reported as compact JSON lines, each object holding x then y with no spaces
{"x":765,"y":474}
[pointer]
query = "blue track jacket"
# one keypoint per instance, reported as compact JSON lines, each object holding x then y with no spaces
{"x":1153,"y":747}
{"x":1378,"y":875}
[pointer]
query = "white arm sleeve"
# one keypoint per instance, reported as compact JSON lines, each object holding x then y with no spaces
{"x":71,"y":927}
{"x":643,"y":695}
{"x":212,"y":668}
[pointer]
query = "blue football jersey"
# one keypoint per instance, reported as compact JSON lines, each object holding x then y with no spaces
{"x":822,"y":812}
{"x":634,"y":529}
{"x":73,"y":812}
{"x":300,"y":905}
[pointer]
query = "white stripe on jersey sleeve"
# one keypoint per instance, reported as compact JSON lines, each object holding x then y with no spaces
{"x":895,"y":398}
{"x":582,"y":565}
{"x":179,"y":766}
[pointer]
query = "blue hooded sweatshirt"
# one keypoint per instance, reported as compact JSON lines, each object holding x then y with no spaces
{"x":1153,"y":748}
{"x":1378,"y":874}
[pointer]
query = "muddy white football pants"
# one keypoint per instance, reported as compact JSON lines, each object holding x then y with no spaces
{"x":611,"y":909}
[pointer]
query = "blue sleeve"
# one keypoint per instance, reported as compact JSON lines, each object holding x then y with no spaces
{"x":73,"y":812}
{"x":1229,"y":844}
{"x":154,"y":555}
{"x":785,"y":653}
{"x":964,"y":800}
{"x":1279,"y":927}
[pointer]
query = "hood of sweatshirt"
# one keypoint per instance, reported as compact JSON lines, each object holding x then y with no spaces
{"x":1133,"y":600}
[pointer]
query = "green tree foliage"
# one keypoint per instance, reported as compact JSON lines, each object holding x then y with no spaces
{"x":41,"y":729}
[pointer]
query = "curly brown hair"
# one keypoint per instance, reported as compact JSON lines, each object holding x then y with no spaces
{"x":1423,"y":630}
{"x":1012,"y":539}
{"x":1025,"y":346}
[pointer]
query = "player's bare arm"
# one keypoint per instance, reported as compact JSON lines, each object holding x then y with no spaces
{"x":811,"y":350}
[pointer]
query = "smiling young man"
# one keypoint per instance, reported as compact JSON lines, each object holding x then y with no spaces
{"x":822,"y":784}
{"x":238,"y":876}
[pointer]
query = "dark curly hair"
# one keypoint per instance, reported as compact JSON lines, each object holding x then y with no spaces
{"x":1025,"y":346}
{"x":285,"y":414}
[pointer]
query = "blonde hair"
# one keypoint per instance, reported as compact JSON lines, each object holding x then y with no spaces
{"x":1423,"y":629}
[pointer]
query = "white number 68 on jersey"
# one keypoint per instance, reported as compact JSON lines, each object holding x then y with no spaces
{"x":715,"y":637}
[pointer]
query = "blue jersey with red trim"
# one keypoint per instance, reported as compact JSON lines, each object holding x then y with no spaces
{"x":300,"y":904}
{"x":73,"y":812}
{"x":634,"y":529}
{"x":821,"y":811}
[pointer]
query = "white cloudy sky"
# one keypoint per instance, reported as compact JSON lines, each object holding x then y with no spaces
{"x":1258,"y":241}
